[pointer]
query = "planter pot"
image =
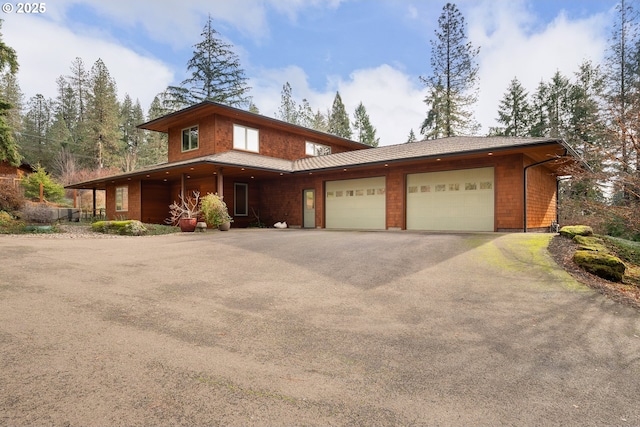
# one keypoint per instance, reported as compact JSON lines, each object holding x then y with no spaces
{"x":188,"y":224}
{"x":224,"y":227}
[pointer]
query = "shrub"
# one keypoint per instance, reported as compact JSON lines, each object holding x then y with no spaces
{"x":53,"y":192}
{"x":214,"y":210}
{"x":36,"y":213}
{"x":10,"y":197}
{"x":130,"y":227}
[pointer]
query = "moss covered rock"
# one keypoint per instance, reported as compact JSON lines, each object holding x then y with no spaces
{"x":590,"y":243}
{"x":601,"y":264}
{"x":571,"y":231}
{"x":130,"y":227}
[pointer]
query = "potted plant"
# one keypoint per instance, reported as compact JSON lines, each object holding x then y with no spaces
{"x":215,"y":212}
{"x":185,"y":214}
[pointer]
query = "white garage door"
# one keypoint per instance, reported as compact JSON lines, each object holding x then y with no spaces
{"x":356,"y":203}
{"x":461,"y":200}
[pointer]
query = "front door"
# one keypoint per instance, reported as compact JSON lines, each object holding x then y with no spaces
{"x":309,"y":208}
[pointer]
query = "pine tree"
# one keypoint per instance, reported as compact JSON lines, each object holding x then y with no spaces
{"x":8,"y":146}
{"x":365,"y":132}
{"x":452,"y":86}
{"x":288,"y":110}
{"x":539,"y":126}
{"x":320,"y":121}
{"x":132,"y":138}
{"x":514,"y":111}
{"x":103,"y":112}
{"x":305,"y":114}
{"x":623,"y":91}
{"x":412,"y":137}
{"x":216,"y":75}
{"x":154,"y":144}
{"x":338,"y":122}
{"x":37,"y":123}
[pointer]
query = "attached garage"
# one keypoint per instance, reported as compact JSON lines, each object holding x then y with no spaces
{"x":356,"y":203}
{"x":459,"y":200}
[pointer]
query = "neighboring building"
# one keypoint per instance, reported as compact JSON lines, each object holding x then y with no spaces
{"x":284,"y":172}
{"x":13,"y":174}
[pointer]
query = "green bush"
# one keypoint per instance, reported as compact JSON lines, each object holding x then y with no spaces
{"x":130,"y":227}
{"x":53,"y":192}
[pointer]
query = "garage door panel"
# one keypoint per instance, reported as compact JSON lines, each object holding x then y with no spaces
{"x":460,"y":200}
{"x":356,"y":203}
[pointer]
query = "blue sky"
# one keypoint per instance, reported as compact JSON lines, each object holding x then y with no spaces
{"x":370,"y":50}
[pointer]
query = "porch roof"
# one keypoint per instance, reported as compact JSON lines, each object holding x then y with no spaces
{"x":539,"y":149}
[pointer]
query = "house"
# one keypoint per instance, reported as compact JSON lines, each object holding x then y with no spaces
{"x":14,"y":174}
{"x":282,"y":172}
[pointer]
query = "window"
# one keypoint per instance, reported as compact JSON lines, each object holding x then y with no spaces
{"x":122,"y":199}
{"x":315,"y":149}
{"x":240,"y":199}
{"x":190,"y":138}
{"x":245,"y":138}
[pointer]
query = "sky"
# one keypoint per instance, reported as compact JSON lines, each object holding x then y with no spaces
{"x":371,"y":51}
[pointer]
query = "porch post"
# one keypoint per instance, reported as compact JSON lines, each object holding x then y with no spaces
{"x":220,"y":183}
{"x":94,"y":201}
{"x":183,"y":190}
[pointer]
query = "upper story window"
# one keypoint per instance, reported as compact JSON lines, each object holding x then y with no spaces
{"x":190,"y":138}
{"x":245,"y":138}
{"x":315,"y":149}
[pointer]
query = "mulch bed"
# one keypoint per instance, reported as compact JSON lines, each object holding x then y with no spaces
{"x":562,"y":250}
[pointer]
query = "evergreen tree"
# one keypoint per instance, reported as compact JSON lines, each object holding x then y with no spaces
{"x":452,"y":86}
{"x":539,"y":115}
{"x":338,"y":122}
{"x":8,"y":146}
{"x":412,"y":137}
{"x":11,"y":92}
{"x":514,"y":111}
{"x":154,"y":144}
{"x":320,"y":121}
{"x":288,"y":110}
{"x":103,"y":114}
{"x":216,"y":74}
{"x":79,"y":82}
{"x":253,"y":108}
{"x":305,"y":115}
{"x":623,"y":91}
{"x":36,"y":126}
{"x":131,"y":137}
{"x":365,"y":132}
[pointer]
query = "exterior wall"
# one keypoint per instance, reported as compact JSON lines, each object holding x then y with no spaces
{"x":541,"y":197}
{"x":134,"y":211}
{"x":156,"y":198}
{"x":281,"y":199}
{"x":216,"y":135}
{"x":509,"y":184}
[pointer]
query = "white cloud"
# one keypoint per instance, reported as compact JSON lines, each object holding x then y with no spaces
{"x":44,"y":55}
{"x":392,"y":99}
{"x":513,"y":46}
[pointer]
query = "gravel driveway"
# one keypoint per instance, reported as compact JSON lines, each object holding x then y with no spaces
{"x":295,"y":327}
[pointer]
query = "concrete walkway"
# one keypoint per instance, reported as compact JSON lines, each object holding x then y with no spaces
{"x":295,"y":327}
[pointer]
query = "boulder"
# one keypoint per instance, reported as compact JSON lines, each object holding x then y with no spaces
{"x":576,"y":230}
{"x":601,"y":264}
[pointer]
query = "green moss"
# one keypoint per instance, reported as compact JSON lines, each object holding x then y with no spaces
{"x":571,"y":231}
{"x":126,"y":228}
{"x":590,"y":243}
{"x":601,"y":264}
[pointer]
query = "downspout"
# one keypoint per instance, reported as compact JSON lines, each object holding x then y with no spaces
{"x":526,"y":168}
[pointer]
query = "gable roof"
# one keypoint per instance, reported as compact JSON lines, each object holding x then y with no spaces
{"x":428,"y":149}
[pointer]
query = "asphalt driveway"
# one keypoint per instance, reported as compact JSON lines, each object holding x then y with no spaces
{"x":295,"y":327}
